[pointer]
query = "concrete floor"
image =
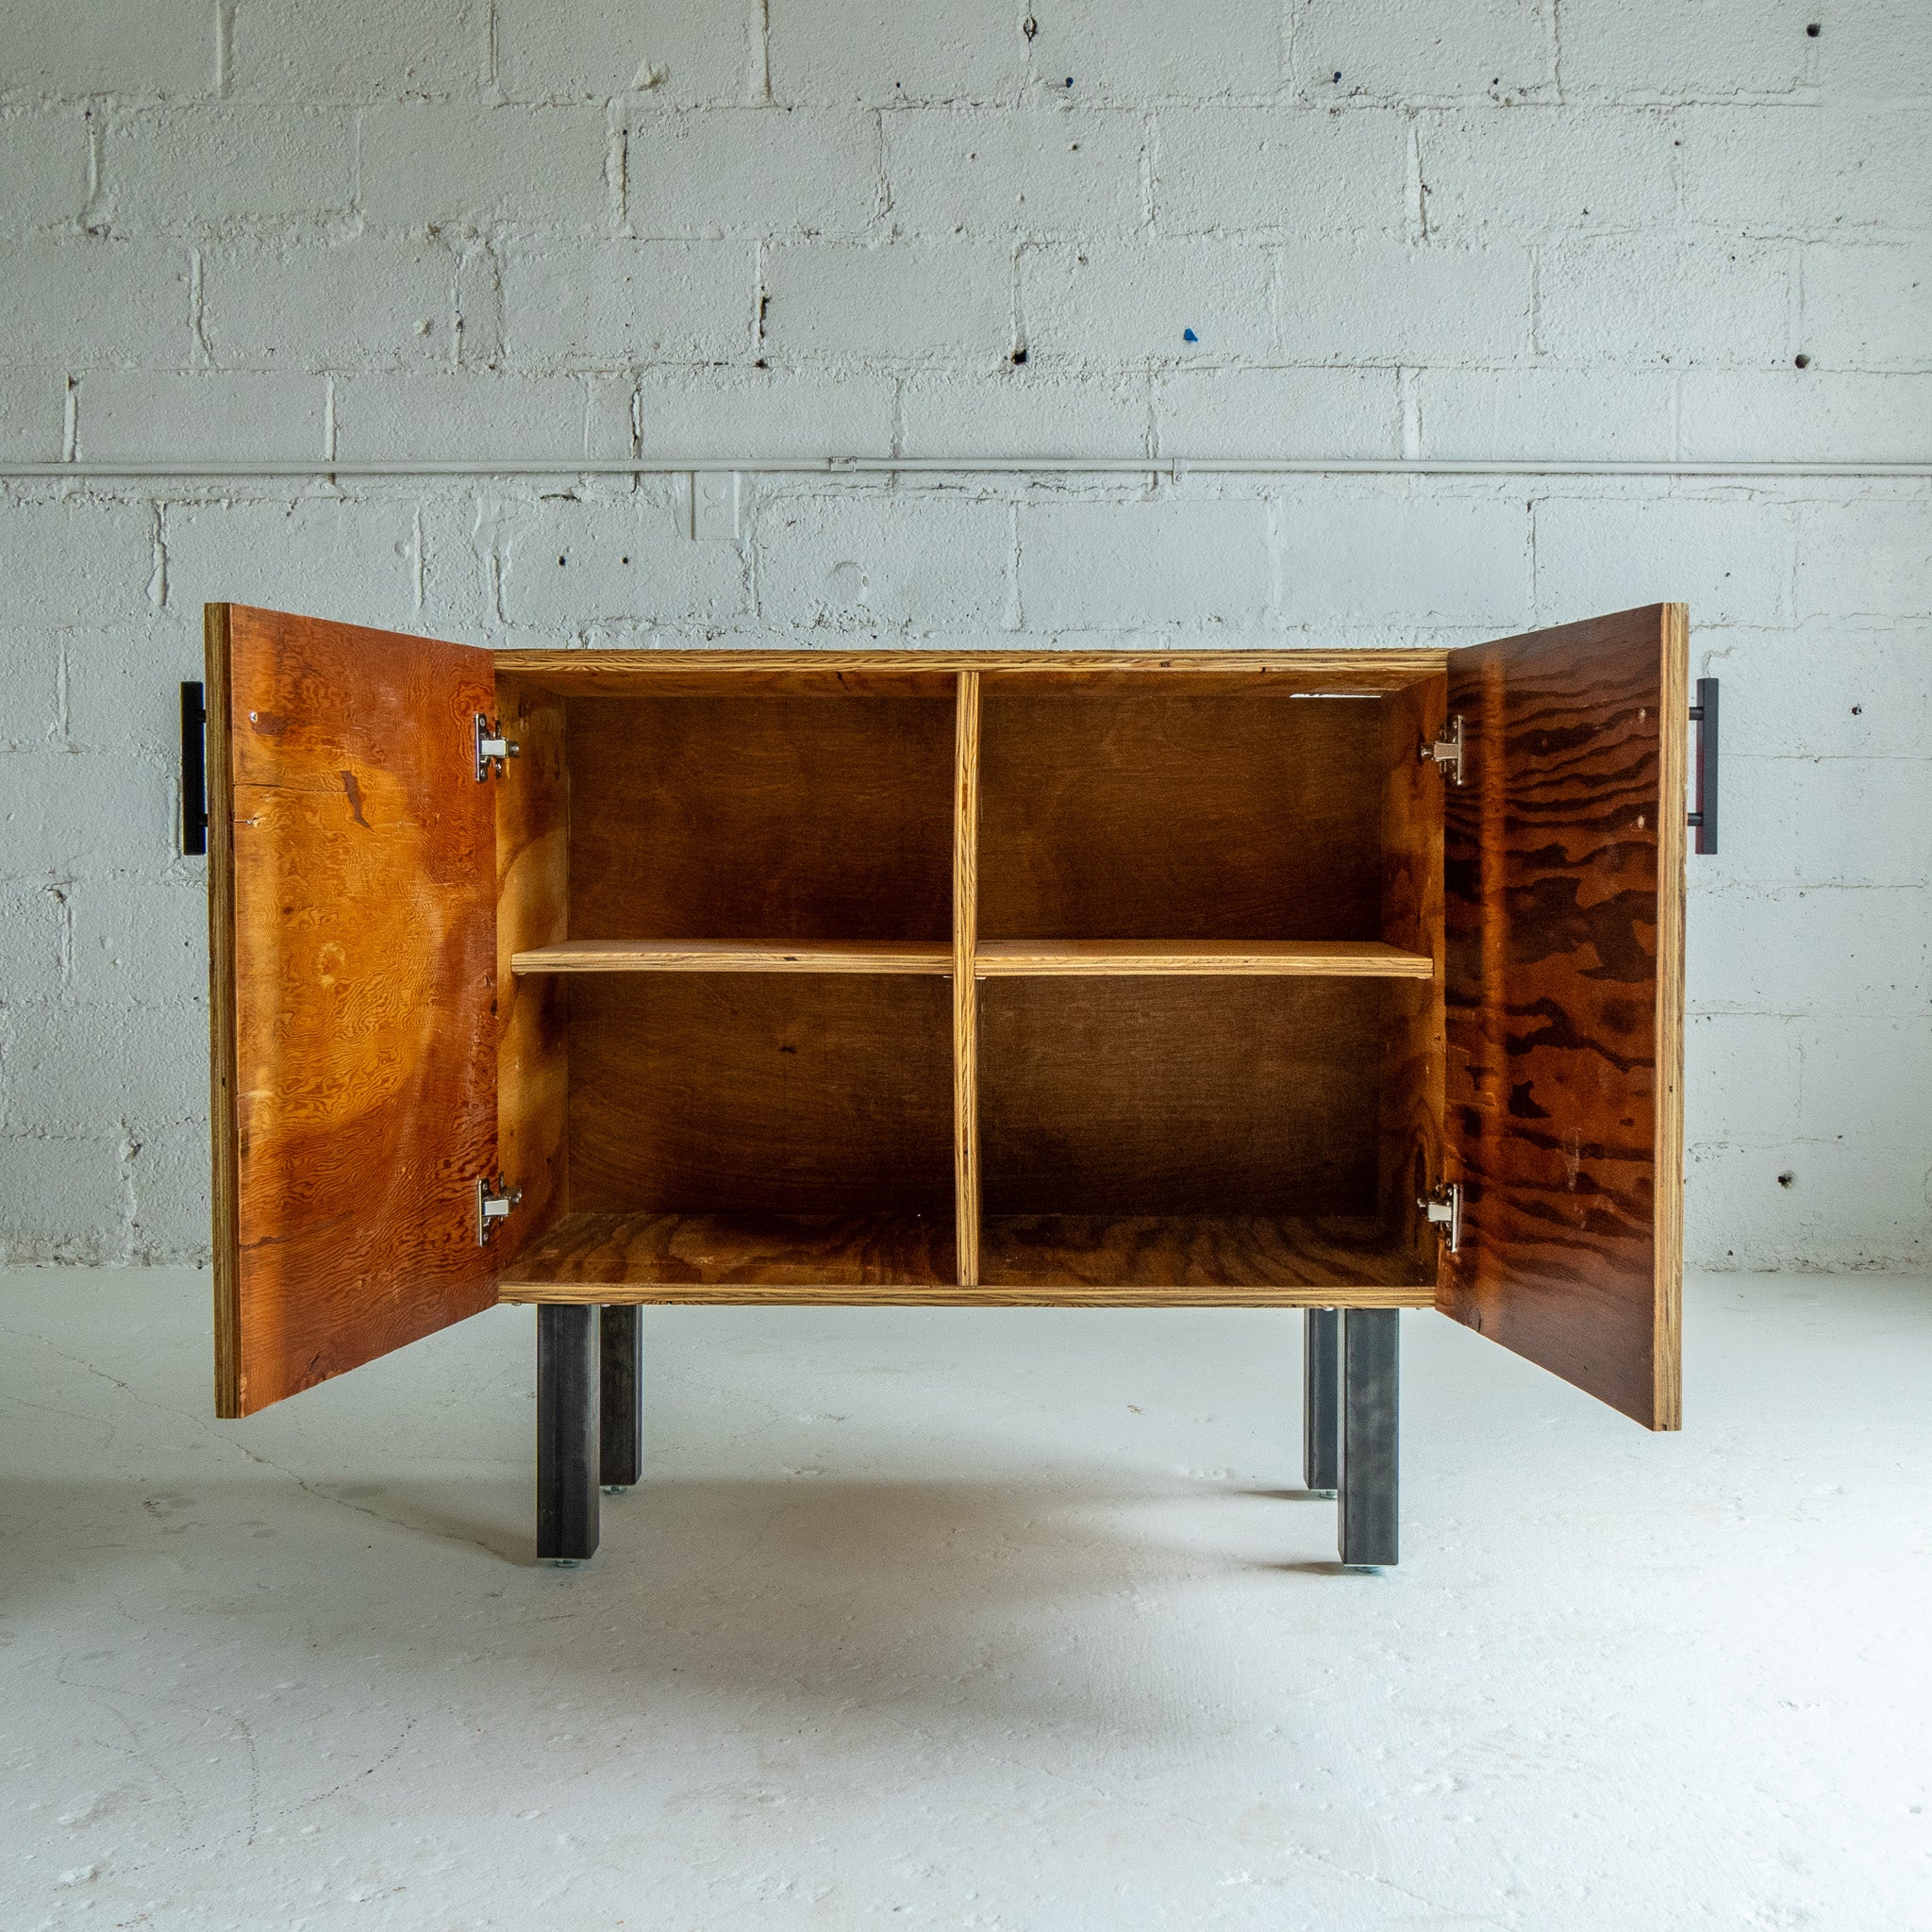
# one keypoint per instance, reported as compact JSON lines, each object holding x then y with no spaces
{"x":963,"y":1619}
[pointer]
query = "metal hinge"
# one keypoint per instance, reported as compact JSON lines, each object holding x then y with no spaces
{"x":1447,"y":751}
{"x":1443,"y":1210}
{"x":492,"y":747}
{"x":494,"y":1203}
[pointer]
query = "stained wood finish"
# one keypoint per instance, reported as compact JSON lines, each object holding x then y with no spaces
{"x":1410,"y":1116}
{"x":1146,"y":815}
{"x":1213,"y":958}
{"x":1184,"y":1253}
{"x":761,"y":818}
{"x":614,"y":1257}
{"x":672,"y":674}
{"x":735,"y":956}
{"x":1564,"y":992}
{"x":965,"y":991}
{"x":1159,"y":1096}
{"x":353,"y":953}
{"x":760,"y":1093}
{"x":532,"y":800}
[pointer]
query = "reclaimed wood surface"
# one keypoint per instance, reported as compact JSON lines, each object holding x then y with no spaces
{"x":1165,"y":1096}
{"x":1212,"y":959}
{"x":1409,"y":1113}
{"x":353,"y":959}
{"x":1564,"y":998}
{"x":761,"y":818}
{"x":965,"y":990}
{"x":532,"y":798}
{"x":735,"y":956}
{"x":781,"y":1093}
{"x":1154,"y":815}
{"x":932,"y":672}
{"x":720,"y":1259}
{"x":594,"y":1252}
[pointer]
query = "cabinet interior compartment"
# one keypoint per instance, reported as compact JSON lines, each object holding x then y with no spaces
{"x":1266,"y":1125}
{"x":760,"y":1122}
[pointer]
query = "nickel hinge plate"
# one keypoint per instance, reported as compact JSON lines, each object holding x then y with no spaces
{"x":491,"y":748}
{"x":1442,"y":1209}
{"x":1447,"y":750}
{"x":494,"y":1203}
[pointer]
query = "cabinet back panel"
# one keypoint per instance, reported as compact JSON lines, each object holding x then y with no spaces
{"x":1149,"y":816}
{"x":1139,"y":1096}
{"x":760,"y":1093}
{"x":762,"y":817}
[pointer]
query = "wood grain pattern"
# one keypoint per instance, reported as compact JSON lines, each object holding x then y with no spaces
{"x":532,"y":799}
{"x":1563,"y":992}
{"x":1183,"y":1253}
{"x":735,"y":956}
{"x":596,"y":1252}
{"x":717,"y":1259}
{"x":760,"y":1093}
{"x":359,"y":960}
{"x":1212,"y":959}
{"x":1162,"y":1096}
{"x":1409,"y":1163}
{"x":965,"y":990}
{"x":225,"y":1119}
{"x":1148,"y":816}
{"x":761,"y":818}
{"x":932,"y":672}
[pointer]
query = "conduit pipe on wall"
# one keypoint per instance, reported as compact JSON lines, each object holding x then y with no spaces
{"x":1172,"y":468}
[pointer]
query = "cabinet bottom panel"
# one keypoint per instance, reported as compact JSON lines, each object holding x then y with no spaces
{"x":1045,"y":1260}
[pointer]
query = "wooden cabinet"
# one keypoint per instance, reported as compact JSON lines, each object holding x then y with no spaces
{"x":1291,"y":979}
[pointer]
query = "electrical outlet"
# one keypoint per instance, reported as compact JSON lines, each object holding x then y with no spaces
{"x":714,"y":505}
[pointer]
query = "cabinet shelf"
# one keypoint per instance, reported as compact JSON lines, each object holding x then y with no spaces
{"x":994,"y":959}
{"x":737,"y":955}
{"x":1308,"y":959}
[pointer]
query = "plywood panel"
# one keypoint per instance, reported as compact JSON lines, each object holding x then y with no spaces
{"x":1564,"y":994}
{"x":761,"y":818}
{"x":735,"y":956}
{"x":760,"y":1093}
{"x":1163,"y":1096}
{"x":532,"y":910}
{"x":1199,"y":958}
{"x":353,"y":959}
{"x":1144,"y":816}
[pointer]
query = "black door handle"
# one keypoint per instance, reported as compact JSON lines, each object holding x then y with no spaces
{"x":193,"y":771}
{"x":1704,"y":815}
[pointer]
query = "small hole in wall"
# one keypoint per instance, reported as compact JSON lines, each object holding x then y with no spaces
{"x":1858,"y":711}
{"x":1784,"y":1180}
{"x":1338,"y":74}
{"x":561,"y":561}
{"x":1802,"y":361}
{"x":623,"y":559}
{"x":1811,"y":32}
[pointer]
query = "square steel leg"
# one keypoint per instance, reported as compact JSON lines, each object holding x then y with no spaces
{"x":567,"y":1432}
{"x":1322,"y":1400}
{"x":1371,"y":1417}
{"x":622,"y":1399}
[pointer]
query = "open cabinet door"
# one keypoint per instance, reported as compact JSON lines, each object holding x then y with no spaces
{"x":1564,"y":1000}
{"x":353,"y":959}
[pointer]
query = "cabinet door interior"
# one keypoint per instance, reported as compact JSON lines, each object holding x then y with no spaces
{"x":1564,"y":1000}
{"x":352,"y":925}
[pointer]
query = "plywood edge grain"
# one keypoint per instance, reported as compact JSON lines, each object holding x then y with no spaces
{"x":1672,"y":849}
{"x":1315,"y":958}
{"x":658,"y":1295}
{"x":224,"y":1125}
{"x":736,"y":956}
{"x":965,"y":990}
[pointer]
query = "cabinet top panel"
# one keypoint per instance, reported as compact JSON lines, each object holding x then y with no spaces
{"x":917,"y":673}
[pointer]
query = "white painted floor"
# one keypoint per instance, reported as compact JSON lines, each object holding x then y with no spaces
{"x":961,"y":1619}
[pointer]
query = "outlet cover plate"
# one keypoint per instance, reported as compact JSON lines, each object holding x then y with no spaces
{"x":714,"y":505}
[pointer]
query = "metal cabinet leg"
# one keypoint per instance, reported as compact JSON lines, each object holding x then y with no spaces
{"x":1322,"y":1400}
{"x":567,"y":1433}
{"x":1370,"y":1416}
{"x":621,"y":1461}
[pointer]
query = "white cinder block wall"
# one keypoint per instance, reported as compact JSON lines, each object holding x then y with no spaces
{"x":463,"y":229}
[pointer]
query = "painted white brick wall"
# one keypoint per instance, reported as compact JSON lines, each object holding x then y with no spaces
{"x":473,"y":229}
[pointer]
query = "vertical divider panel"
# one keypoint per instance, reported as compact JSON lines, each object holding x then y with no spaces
{"x":965,"y":988}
